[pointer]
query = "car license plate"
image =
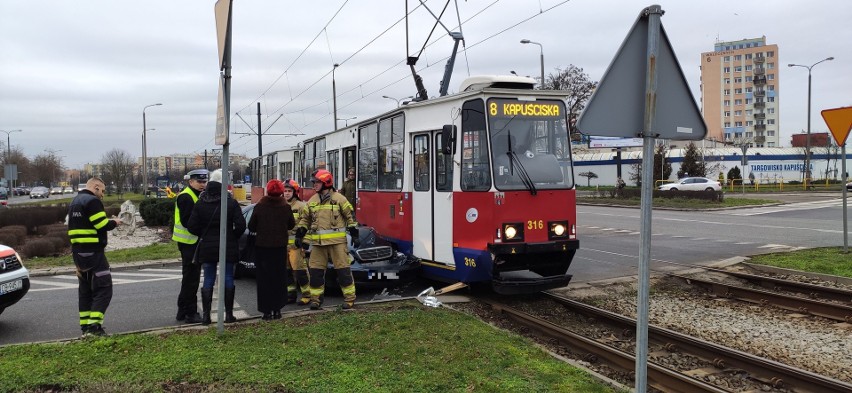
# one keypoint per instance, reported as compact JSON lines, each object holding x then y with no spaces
{"x":11,"y":286}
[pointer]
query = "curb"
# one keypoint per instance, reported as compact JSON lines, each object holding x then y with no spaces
{"x":54,"y":271}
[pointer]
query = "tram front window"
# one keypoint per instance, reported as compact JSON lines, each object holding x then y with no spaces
{"x":529,"y":145}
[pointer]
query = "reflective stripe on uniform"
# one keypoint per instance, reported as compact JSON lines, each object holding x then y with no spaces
{"x":327,"y":234}
{"x":83,"y":236}
{"x":99,"y":220}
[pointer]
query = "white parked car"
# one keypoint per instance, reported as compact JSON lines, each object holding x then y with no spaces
{"x":14,"y":278}
{"x":692,"y":184}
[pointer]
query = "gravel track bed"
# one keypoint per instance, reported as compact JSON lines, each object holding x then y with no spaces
{"x":794,"y":277}
{"x":738,"y":282}
{"x":553,"y":312}
{"x":808,"y":342}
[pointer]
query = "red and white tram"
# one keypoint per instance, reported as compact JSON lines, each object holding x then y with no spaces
{"x":479,"y":185}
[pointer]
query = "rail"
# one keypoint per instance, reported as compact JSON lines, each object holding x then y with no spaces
{"x":659,"y":377}
{"x":769,"y":371}
{"x":833,"y":311}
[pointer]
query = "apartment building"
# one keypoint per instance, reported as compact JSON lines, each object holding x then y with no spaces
{"x":740,"y":92}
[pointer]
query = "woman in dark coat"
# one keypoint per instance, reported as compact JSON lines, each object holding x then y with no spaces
{"x":204,"y":223}
{"x":271,"y":222}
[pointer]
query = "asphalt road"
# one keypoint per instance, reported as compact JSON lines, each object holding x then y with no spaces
{"x":143,"y":298}
{"x":610,"y":241}
{"x":609,"y":247}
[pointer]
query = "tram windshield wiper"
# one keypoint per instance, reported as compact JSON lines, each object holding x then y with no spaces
{"x":522,"y":171}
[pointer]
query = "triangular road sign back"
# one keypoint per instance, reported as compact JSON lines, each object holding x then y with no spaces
{"x":839,"y":121}
{"x":617,"y":107}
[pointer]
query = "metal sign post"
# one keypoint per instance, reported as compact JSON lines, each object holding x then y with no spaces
{"x":839,"y":121}
{"x":223,"y":30}
{"x":645,"y":82}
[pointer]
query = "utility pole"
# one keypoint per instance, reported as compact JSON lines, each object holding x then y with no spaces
{"x":205,"y":158}
{"x":259,"y":134}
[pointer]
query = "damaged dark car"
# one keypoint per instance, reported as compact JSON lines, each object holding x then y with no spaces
{"x":375,"y":263}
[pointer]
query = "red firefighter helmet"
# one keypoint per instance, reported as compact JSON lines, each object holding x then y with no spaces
{"x":323,"y":176}
{"x":292,"y":184}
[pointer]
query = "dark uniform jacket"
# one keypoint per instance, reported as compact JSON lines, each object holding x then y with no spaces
{"x":88,"y":223}
{"x":205,"y":212}
{"x":272,"y":221}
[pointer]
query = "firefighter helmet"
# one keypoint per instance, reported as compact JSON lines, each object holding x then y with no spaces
{"x":323,"y":176}
{"x":292,"y":184}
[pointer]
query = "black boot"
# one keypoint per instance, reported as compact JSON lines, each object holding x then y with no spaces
{"x":229,"y":305}
{"x":193,"y":318}
{"x":206,"y":302}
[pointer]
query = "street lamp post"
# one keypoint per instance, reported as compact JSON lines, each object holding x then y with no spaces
{"x":9,"y":151}
{"x":541,"y":48}
{"x":145,"y":152}
{"x":808,"y":141}
{"x":334,"y":93}
{"x":397,"y":100}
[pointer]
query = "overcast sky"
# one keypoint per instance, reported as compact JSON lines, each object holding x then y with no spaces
{"x":75,"y":76}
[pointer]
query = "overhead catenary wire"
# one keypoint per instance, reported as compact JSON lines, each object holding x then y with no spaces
{"x":369,"y":80}
{"x":406,"y":76}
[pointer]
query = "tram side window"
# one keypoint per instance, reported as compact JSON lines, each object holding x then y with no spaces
{"x":309,"y":159}
{"x":368,"y":158}
{"x":443,"y":167}
{"x":476,"y":174}
{"x":421,"y":163}
{"x":390,"y":154}
{"x":319,"y":155}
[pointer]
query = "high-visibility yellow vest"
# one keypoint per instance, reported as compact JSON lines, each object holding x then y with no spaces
{"x":179,"y":232}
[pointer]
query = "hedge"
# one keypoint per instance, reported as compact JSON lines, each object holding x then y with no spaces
{"x":158,"y":211}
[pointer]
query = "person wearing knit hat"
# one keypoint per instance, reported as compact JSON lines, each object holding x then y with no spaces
{"x":271,"y":222}
{"x":204,"y":222}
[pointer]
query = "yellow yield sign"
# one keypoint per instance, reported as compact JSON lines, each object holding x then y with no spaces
{"x":839,"y":121}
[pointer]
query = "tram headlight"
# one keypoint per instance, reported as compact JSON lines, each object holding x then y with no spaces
{"x":558,"y":230}
{"x":513,"y":232}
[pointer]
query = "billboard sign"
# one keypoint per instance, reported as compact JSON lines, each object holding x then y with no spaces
{"x":613,"y":142}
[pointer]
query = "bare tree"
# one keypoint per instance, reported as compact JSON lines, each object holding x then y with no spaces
{"x":16,"y":156}
{"x":579,"y":87}
{"x":46,"y":168}
{"x":117,"y":167}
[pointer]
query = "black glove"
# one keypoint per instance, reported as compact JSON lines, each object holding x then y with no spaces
{"x":356,"y":238}
{"x":300,"y":235}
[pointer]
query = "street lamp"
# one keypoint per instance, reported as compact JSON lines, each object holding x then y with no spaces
{"x":808,"y":141}
{"x":397,"y":100}
{"x":334,"y":94}
{"x":145,"y":152}
{"x":526,"y":41}
{"x":9,"y":151}
{"x":347,"y":120}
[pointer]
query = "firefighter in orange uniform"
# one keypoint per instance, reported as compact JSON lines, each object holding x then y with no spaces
{"x":324,"y":221}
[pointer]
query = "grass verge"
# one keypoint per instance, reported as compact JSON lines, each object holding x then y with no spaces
{"x":399,"y":347}
{"x":680,"y":203}
{"x":151,"y":252}
{"x":827,"y":260}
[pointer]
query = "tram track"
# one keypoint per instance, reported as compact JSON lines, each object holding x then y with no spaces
{"x":838,"y":308}
{"x":719,"y":363}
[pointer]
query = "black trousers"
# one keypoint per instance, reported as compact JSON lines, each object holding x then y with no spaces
{"x":190,"y":277}
{"x":271,"y":263}
{"x":95,"y":286}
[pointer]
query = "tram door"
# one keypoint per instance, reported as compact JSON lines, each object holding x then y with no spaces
{"x":432,"y":203}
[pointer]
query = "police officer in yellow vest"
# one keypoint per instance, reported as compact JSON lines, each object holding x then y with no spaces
{"x":324,"y":221}
{"x":187,"y":300}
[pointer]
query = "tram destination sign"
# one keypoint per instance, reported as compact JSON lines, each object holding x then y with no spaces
{"x":502,"y":107}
